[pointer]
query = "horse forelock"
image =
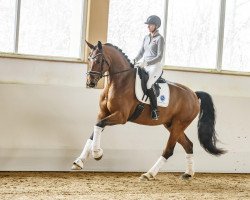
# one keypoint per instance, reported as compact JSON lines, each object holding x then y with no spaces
{"x":123,"y":54}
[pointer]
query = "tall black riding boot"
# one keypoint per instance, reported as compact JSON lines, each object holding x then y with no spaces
{"x":153,"y":102}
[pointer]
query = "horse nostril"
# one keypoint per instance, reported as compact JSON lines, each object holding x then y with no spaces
{"x":91,"y":85}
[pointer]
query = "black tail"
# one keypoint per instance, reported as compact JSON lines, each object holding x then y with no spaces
{"x":206,"y":123}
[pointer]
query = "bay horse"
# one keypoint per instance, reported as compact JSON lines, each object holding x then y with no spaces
{"x":118,"y":103}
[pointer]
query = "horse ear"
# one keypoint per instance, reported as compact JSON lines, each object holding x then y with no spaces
{"x":91,"y":46}
{"x":99,"y":45}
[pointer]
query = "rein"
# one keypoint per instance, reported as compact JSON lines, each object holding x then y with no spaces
{"x":102,"y":75}
{"x":126,"y":70}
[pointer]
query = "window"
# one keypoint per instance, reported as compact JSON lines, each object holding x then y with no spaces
{"x":192,"y":32}
{"x":208,"y":34}
{"x":236,"y":54}
{"x":7,"y":28}
{"x":44,"y":28}
{"x":126,"y":27}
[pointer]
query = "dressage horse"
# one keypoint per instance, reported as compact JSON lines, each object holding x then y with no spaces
{"x":118,"y":103}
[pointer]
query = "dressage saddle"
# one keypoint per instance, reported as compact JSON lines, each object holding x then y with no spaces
{"x":144,"y":79}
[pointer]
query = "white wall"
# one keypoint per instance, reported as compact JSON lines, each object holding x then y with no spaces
{"x":46,"y":115}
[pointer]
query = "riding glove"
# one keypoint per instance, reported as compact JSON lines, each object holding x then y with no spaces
{"x":144,"y":64}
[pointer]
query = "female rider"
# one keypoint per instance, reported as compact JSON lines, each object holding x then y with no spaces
{"x":152,"y":53}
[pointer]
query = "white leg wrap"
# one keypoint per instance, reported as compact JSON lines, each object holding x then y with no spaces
{"x":157,"y":166}
{"x":190,"y":164}
{"x":80,"y":161}
{"x":96,"y":146}
{"x":97,"y":138}
{"x":86,"y":150}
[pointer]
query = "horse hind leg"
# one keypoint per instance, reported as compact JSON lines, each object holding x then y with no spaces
{"x":188,"y":147}
{"x":175,"y":132}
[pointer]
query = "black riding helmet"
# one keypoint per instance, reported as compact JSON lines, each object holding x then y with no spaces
{"x":153,"y":19}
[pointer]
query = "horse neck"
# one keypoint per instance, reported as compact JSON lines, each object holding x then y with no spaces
{"x":118,"y":63}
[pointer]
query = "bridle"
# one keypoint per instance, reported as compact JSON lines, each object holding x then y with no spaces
{"x":103,"y":60}
{"x":100,"y":74}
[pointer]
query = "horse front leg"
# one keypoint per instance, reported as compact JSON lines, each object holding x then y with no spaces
{"x":87,"y":149}
{"x":81,"y":160}
{"x":93,"y":144}
{"x":115,"y":118}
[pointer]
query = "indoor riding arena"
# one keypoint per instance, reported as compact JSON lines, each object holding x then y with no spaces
{"x":124,"y":99}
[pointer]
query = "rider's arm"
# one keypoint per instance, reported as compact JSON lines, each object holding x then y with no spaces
{"x":160,"y":49}
{"x":141,"y":52}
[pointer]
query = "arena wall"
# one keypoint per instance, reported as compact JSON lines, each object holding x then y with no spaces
{"x":47,"y":114}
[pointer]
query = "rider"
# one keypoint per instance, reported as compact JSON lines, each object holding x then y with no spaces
{"x":152,"y":53}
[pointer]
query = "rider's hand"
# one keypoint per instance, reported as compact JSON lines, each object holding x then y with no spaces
{"x":134,"y":61}
{"x":144,"y":64}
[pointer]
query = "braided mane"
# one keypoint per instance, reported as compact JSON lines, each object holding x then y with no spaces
{"x":124,"y":55}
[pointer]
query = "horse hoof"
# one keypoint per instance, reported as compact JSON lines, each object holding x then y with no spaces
{"x":99,"y":158}
{"x":146,"y":177}
{"x":77,"y":165}
{"x":97,"y":155}
{"x":186,"y":176}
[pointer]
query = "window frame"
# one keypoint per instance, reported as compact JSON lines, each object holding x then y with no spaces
{"x":15,"y":54}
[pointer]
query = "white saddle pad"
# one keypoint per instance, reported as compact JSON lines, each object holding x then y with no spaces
{"x":162,"y":99}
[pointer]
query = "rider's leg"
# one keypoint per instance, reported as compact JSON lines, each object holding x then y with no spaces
{"x":153,"y":101}
{"x":154,"y":72}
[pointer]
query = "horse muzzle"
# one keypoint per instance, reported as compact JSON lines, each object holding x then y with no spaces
{"x":93,"y":78}
{"x":92,"y":82}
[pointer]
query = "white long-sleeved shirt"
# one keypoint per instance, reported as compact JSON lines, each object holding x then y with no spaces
{"x":152,"y":49}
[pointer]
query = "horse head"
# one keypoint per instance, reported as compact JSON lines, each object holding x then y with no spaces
{"x":98,"y":64}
